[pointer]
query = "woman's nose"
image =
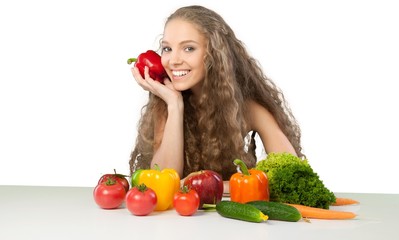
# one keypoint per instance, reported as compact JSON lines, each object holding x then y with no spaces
{"x":175,"y":58}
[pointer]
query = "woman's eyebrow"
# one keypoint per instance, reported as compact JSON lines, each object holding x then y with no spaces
{"x":182,"y":42}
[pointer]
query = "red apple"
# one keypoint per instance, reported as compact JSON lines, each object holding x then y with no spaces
{"x":117,"y":177}
{"x":208,"y":184}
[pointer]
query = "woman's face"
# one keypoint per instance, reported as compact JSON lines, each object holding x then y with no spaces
{"x":183,"y":53}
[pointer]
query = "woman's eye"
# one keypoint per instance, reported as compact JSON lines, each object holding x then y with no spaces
{"x":166,"y":49}
{"x":189,"y":49}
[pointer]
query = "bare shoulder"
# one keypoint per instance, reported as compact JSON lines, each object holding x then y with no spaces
{"x":259,"y":115}
{"x":262,"y":121}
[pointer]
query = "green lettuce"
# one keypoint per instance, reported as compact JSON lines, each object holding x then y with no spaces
{"x":292,"y":180}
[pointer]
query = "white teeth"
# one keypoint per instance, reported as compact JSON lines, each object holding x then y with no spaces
{"x":179,"y":73}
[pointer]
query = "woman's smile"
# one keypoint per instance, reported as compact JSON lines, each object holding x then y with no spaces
{"x":179,"y":73}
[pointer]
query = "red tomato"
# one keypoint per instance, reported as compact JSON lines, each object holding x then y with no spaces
{"x":186,"y":201}
{"x":109,"y":194}
{"x":141,"y":200}
{"x":117,"y":177}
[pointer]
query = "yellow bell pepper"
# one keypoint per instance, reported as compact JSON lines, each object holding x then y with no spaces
{"x":165,"y":184}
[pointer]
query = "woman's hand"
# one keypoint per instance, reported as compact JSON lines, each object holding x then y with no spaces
{"x":165,"y":91}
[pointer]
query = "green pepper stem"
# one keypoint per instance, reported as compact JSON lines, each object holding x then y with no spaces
{"x":131,"y":60}
{"x":242,"y":166}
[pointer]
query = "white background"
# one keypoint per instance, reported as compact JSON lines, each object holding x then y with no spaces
{"x":69,"y":105}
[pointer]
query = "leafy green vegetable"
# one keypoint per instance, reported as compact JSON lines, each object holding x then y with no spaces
{"x":292,"y":180}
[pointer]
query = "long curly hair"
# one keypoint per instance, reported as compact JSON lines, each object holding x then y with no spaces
{"x":215,"y":127}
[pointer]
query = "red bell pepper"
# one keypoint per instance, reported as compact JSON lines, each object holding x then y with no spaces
{"x":152,"y":60}
{"x":248,"y":185}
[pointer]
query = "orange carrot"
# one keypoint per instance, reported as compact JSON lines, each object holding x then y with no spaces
{"x":339,"y":201}
{"x":320,"y":213}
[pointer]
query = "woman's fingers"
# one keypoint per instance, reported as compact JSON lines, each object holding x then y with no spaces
{"x":147,"y":73}
{"x":136,"y":74}
{"x":168,"y":83}
{"x":147,"y":83}
{"x":140,"y":80}
{"x":165,"y":91}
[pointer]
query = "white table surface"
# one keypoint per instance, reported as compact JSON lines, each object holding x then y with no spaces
{"x":34,"y":212}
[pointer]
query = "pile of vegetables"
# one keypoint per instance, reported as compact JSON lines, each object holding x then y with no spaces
{"x":295,"y":192}
{"x":292,"y":180}
{"x":281,"y":187}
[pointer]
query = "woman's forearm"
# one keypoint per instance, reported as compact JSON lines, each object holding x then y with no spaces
{"x":170,"y":152}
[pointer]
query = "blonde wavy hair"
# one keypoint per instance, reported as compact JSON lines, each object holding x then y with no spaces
{"x":215,"y":127}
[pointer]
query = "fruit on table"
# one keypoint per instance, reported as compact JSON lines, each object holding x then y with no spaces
{"x":248,"y":185}
{"x":141,"y":200}
{"x":109,"y":194}
{"x":208,"y":184}
{"x":277,"y":211}
{"x":186,"y":201}
{"x":117,"y":177}
{"x":240,"y":211}
{"x":164,"y":182}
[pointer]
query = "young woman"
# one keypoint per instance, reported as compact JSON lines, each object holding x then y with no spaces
{"x":206,"y":114}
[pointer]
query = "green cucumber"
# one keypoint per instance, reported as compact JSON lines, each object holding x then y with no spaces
{"x":277,"y":211}
{"x":240,"y":211}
